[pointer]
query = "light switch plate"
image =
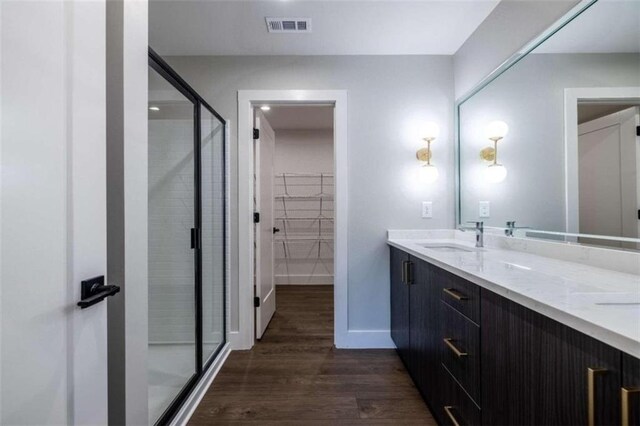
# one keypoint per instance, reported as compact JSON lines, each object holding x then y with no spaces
{"x":427,"y":209}
{"x":485,"y":209}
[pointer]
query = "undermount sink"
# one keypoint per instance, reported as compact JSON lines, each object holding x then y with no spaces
{"x":451,"y":248}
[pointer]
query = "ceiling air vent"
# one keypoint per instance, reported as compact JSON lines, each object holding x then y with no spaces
{"x":289,"y":25}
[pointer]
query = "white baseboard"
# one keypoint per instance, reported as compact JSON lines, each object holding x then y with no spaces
{"x":190,"y":405}
{"x":355,"y":339}
{"x":302,"y":279}
{"x":236,"y":342}
{"x":369,"y":339}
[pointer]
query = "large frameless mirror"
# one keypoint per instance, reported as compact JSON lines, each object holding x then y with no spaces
{"x":552,"y":142}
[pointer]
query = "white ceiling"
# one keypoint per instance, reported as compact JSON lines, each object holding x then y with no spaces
{"x":300,"y":117}
{"x":384,"y":27}
{"x":606,"y":27}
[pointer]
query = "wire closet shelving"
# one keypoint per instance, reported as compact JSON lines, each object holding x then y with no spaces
{"x":304,"y":214}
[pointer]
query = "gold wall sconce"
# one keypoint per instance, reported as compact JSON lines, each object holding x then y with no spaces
{"x":495,"y":132}
{"x":428,"y":172}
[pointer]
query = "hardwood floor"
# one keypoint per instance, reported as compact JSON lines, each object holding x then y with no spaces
{"x":294,"y":375}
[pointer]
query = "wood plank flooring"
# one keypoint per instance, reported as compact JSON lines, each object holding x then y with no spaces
{"x":294,"y":375}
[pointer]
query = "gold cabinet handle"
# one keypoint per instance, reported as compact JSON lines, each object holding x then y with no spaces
{"x":454,"y":293}
{"x":625,"y":393}
{"x":449,"y":410}
{"x":591,"y":392}
{"x":449,"y":342}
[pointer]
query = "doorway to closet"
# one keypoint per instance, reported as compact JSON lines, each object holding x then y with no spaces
{"x":294,"y":215}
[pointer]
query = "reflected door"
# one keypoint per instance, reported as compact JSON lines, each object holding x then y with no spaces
{"x":608,"y":175}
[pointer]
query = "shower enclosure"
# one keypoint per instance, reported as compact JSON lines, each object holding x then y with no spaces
{"x":187,"y":265}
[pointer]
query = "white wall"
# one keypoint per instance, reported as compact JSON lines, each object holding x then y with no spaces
{"x":304,"y":151}
{"x":511,"y":25}
{"x":530,"y":99}
{"x":388,"y":97}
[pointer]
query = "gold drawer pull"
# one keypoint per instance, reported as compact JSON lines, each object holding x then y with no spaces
{"x":591,"y":392}
{"x":449,"y":410}
{"x":455,"y":294}
{"x":624,"y":397}
{"x":448,"y":341}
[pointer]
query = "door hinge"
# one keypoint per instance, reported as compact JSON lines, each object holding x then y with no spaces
{"x":637,"y":130}
{"x":256,"y":217}
{"x":256,"y":302}
{"x":256,"y":134}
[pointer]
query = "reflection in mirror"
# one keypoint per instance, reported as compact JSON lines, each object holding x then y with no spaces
{"x":551,"y":143}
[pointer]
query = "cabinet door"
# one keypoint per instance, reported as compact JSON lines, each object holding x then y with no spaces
{"x":630,"y":392}
{"x":535,"y":371}
{"x":424,"y":325}
{"x":399,"y":303}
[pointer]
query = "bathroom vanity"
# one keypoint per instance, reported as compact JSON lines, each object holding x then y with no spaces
{"x":497,"y":336}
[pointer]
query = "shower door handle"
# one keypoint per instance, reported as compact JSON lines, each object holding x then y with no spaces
{"x":195,"y":238}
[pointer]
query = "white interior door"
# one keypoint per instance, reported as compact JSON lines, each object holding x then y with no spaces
{"x":265,"y":287}
{"x":53,"y":212}
{"x":608,"y":175}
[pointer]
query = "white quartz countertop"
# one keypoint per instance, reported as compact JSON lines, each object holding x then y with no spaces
{"x":601,"y":303}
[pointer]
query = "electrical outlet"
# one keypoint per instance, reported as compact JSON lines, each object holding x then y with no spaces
{"x":485,"y":209}
{"x":427,"y":209}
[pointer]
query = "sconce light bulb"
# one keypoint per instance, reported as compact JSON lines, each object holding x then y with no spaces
{"x":430,"y":130}
{"x":495,"y":173}
{"x":496,"y":130}
{"x":428,"y":173}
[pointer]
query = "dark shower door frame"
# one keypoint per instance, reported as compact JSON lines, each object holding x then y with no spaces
{"x":161,"y":67}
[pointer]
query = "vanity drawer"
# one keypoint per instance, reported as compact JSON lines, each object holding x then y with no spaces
{"x":461,"y":349}
{"x":459,"y":293}
{"x":457,"y":407}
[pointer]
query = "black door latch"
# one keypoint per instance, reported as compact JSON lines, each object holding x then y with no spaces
{"x":276,"y":230}
{"x":94,"y":290}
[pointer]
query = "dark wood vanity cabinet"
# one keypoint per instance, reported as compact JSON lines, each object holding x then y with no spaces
{"x":479,"y":358}
{"x":400,"y":302}
{"x":415,"y":323}
{"x":424,"y":320}
{"x":536,"y":371}
{"x":630,"y":390}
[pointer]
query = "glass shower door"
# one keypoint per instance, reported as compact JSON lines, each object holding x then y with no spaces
{"x":212,"y":135}
{"x":187,"y":240}
{"x":172,"y":260}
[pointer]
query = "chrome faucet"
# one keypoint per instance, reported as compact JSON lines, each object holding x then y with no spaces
{"x":511,"y":227}
{"x":479,"y":228}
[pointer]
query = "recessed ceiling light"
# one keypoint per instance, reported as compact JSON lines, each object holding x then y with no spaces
{"x":154,"y":108}
{"x":265,"y":107}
